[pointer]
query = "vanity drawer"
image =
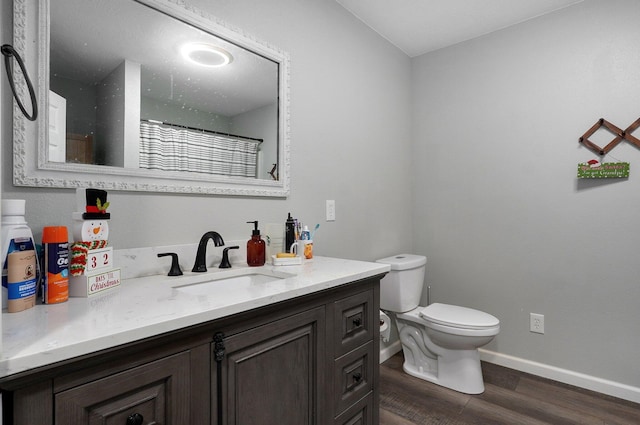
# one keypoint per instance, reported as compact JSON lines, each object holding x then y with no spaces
{"x":360,"y":413}
{"x":353,"y":317}
{"x":353,"y":377}
{"x":156,"y":392}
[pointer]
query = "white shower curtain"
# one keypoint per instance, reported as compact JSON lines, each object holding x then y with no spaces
{"x":178,"y":149}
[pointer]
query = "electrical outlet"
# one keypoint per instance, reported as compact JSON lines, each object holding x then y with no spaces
{"x":536,"y":323}
{"x":331,"y":210}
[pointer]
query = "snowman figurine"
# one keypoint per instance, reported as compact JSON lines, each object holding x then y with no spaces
{"x":90,"y":228}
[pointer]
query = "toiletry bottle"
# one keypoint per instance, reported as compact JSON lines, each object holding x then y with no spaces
{"x":289,"y":233}
{"x":305,"y":235}
{"x":19,"y":259}
{"x":55,"y":240}
{"x":255,"y":247}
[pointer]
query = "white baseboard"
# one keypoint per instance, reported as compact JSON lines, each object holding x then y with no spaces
{"x":604,"y":386}
{"x":388,"y":352}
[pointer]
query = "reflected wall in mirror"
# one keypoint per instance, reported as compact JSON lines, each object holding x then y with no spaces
{"x":129,"y":109}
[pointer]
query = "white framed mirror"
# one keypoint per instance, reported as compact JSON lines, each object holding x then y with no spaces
{"x":122,"y":108}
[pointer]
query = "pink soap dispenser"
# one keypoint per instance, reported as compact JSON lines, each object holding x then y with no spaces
{"x":255,"y":248}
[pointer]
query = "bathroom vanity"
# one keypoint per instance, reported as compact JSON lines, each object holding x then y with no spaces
{"x":301,"y":349}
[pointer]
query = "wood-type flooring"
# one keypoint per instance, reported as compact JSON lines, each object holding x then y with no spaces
{"x":510,"y":398}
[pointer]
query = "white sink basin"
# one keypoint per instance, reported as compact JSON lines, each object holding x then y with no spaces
{"x":237,"y":282}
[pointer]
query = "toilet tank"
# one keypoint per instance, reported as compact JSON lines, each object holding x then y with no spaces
{"x":401,"y":288}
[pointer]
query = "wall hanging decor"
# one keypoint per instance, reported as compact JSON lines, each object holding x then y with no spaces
{"x":594,"y":169}
{"x":620,"y":135}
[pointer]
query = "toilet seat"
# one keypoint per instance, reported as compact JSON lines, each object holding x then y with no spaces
{"x":458,"y":317}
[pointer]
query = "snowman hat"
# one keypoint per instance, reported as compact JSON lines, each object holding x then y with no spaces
{"x":94,"y":203}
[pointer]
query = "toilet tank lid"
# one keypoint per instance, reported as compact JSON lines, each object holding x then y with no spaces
{"x":463,"y":317}
{"x":404,"y":261}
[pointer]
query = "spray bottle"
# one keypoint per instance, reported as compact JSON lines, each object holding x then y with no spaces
{"x":289,"y":233}
{"x":19,"y":258}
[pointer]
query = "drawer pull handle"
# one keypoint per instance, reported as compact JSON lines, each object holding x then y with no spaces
{"x":135,"y":419}
{"x":357,"y":377}
{"x":357,"y":321}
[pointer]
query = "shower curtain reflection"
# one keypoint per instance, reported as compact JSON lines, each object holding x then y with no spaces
{"x":163,"y":147}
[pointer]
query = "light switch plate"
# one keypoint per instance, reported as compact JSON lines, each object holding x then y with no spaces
{"x":331,"y":210}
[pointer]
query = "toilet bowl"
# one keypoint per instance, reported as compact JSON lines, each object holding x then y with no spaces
{"x":446,"y":353}
{"x":440,"y":342}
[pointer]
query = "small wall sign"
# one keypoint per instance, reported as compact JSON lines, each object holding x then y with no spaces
{"x":609,"y":170}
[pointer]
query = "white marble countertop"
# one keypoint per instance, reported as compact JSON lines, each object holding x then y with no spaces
{"x":149,"y":306}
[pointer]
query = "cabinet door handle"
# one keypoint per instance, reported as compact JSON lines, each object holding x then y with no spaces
{"x":357,"y":377}
{"x":357,"y":321}
{"x":135,"y":419}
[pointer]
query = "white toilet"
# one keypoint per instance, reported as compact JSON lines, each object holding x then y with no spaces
{"x":440,"y":342}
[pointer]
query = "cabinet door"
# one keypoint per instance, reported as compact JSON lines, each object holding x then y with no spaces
{"x":361,"y":413}
{"x":274,"y":374}
{"x":154,"y":393}
{"x":354,"y":322}
{"x":353,"y":377}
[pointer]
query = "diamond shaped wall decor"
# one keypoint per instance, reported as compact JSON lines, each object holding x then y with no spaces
{"x":620,"y":135}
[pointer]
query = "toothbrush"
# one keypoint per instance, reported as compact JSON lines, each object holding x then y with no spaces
{"x":314,"y":230}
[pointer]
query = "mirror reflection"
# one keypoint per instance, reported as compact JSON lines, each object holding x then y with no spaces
{"x":132,"y":87}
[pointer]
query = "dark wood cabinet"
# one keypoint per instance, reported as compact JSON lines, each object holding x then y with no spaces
{"x":271,"y":375}
{"x":353,"y":377}
{"x":356,"y":355}
{"x":154,"y":393}
{"x":360,"y":413}
{"x":162,"y":380}
{"x":310,"y":360}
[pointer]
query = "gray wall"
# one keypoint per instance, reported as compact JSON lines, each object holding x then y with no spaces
{"x":81,"y":108}
{"x":350,"y":138}
{"x":173,"y":112}
{"x":498,"y":210}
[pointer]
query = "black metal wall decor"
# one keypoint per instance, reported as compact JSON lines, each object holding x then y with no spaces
{"x":619,"y":133}
{"x":9,"y":52}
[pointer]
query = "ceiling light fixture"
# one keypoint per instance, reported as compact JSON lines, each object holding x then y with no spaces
{"x":207,"y":55}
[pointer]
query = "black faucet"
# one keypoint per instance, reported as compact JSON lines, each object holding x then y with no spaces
{"x":175,"y":265}
{"x":225,"y":264}
{"x":201,"y":255}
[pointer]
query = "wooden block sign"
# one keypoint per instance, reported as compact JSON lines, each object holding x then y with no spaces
{"x":99,"y":259}
{"x":90,"y":284}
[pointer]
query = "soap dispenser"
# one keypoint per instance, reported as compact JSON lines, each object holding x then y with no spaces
{"x":255,"y":247}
